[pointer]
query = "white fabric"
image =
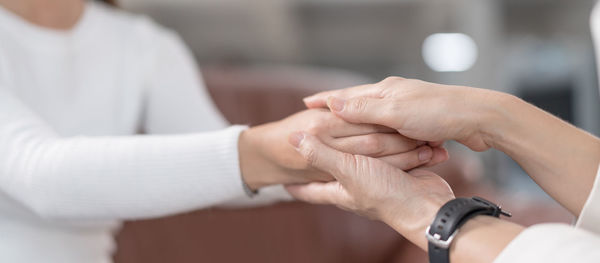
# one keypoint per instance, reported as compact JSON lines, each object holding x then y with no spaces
{"x":70,"y":165}
{"x":560,"y":242}
{"x":552,"y":243}
{"x":590,"y":214}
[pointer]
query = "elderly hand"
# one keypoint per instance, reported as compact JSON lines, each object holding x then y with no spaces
{"x":562,"y":159}
{"x":406,"y":201}
{"x":419,"y":110}
{"x":266,"y":157}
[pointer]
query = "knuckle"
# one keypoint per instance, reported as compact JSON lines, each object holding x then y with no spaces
{"x":310,"y":156}
{"x":390,"y":85}
{"x":391,"y":79}
{"x":374,"y":145}
{"x":315,"y":126}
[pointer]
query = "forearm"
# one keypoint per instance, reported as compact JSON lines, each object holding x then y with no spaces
{"x":561,"y":158}
{"x":131,"y":177}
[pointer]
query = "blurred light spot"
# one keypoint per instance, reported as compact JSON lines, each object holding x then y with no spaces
{"x":449,"y":52}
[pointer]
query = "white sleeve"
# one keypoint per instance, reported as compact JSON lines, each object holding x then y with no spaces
{"x":177,"y":101}
{"x":105,"y":178}
{"x":552,"y":243}
{"x":559,"y":242}
{"x":590,"y":214}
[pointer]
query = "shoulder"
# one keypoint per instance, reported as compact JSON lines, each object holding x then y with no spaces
{"x":138,"y":30}
{"x":136,"y":36}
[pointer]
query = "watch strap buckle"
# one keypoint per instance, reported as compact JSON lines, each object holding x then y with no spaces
{"x":436,"y":239}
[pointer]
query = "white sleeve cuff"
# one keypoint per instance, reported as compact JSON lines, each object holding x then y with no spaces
{"x":552,"y":243}
{"x":266,"y":196}
{"x":590,"y":214}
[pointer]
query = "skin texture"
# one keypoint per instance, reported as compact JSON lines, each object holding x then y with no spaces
{"x":372,"y":187}
{"x":267,"y":158}
{"x":405,"y":201}
{"x":561,"y":158}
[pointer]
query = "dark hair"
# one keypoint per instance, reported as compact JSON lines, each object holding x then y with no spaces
{"x":110,"y":2}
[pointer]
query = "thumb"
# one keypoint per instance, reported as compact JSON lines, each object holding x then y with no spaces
{"x":322,"y":157}
{"x":319,"y":193}
{"x":362,"y":110}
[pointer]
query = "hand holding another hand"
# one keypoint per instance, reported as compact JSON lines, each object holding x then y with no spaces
{"x":562,"y":159}
{"x":419,"y":110}
{"x":407,"y":201}
{"x":371,"y":187}
{"x":266,"y":157}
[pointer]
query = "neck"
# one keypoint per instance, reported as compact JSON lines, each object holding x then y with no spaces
{"x":55,"y":14}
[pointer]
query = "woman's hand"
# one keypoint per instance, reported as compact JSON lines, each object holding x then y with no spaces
{"x":417,"y":109}
{"x":406,"y":201}
{"x":562,"y":159}
{"x":267,"y":158}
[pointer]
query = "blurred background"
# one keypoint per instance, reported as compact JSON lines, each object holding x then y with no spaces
{"x":260,"y":57}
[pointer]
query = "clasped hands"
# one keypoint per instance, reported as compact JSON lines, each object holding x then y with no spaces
{"x":362,"y":148}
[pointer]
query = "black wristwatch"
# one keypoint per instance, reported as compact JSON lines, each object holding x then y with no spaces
{"x":448,"y":220}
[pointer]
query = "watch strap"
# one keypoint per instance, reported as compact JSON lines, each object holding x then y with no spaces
{"x":437,"y":254}
{"x":450,"y":218}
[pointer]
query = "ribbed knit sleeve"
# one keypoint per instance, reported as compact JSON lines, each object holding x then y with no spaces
{"x":177,"y":101}
{"x":125,"y":177}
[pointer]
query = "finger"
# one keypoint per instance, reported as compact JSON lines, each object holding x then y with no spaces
{"x":410,"y":160}
{"x":342,"y":129}
{"x":365,"y":110}
{"x":436,"y":144}
{"x":336,"y":127}
{"x":375,"y":144}
{"x":322,"y":157}
{"x":319,"y":100}
{"x":440,"y":155}
{"x":319,"y":193}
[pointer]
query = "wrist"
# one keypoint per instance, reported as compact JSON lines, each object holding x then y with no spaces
{"x":470,"y":220}
{"x":497,"y":117}
{"x":252,"y":161}
{"x":413,"y":226}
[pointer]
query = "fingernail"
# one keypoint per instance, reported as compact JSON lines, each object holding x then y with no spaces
{"x":425,"y":154}
{"x":296,"y":139}
{"x":336,"y":104}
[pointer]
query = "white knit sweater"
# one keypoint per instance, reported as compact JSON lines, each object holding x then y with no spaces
{"x":70,"y":164}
